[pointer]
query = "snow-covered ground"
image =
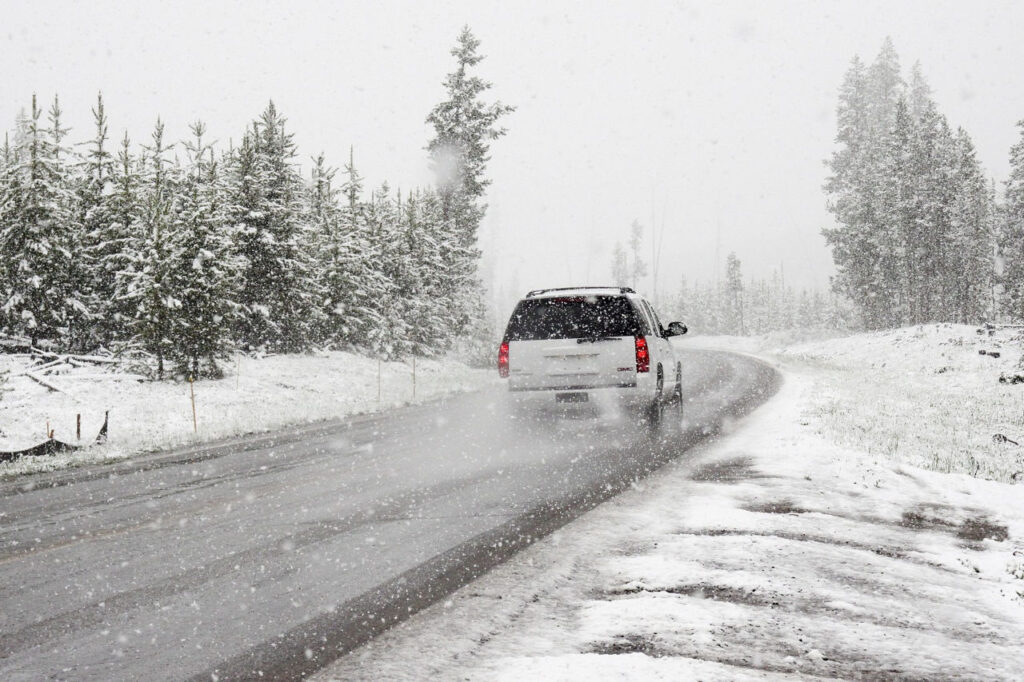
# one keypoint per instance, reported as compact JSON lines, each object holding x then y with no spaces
{"x":800,"y":545}
{"x":257,"y":394}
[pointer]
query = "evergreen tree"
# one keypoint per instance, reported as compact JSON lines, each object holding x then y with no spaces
{"x":464,"y":126}
{"x":639,"y":268}
{"x":851,"y":189}
{"x":1012,"y":232}
{"x":278,"y":290}
{"x":913,"y":240}
{"x":423,"y":278}
{"x":115,"y":249}
{"x":969,"y":254}
{"x":734,"y":291}
{"x":204,"y":278}
{"x":38,"y":238}
{"x":148,"y":282}
{"x":356,"y":288}
{"x":102,"y":242}
{"x":620,"y":267}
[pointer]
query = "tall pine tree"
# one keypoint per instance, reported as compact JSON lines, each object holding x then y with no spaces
{"x":278,"y":291}
{"x":1012,"y":232}
{"x":38,"y":237}
{"x":464,"y":126}
{"x":205,"y":276}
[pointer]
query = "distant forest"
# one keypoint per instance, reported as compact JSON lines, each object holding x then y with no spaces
{"x":185,"y":253}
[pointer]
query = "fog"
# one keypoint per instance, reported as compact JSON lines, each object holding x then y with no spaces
{"x":709,"y":122}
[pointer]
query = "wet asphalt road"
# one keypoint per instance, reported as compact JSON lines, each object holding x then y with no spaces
{"x":271,"y":556}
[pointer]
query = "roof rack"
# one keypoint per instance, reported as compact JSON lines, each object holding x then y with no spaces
{"x":538,"y":292}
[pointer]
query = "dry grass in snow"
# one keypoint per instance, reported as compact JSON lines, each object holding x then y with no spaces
{"x":924,"y":395}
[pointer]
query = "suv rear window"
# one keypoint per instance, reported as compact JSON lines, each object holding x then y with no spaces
{"x":572,"y":317}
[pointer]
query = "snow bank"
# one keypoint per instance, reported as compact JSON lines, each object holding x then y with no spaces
{"x":258,"y":394}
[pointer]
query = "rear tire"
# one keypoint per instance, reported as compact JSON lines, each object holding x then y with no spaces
{"x":677,"y":392}
{"x":656,"y":416}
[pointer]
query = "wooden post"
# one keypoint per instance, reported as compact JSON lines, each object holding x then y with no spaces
{"x":378,"y":382}
{"x":192,"y":391}
{"x":414,"y":377}
{"x":48,"y":436}
{"x":78,"y":426}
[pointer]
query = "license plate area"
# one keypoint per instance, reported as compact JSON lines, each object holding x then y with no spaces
{"x":574,"y":397}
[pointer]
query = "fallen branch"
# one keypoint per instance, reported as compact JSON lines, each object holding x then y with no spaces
{"x":38,"y":368}
{"x":110,"y":376}
{"x":47,"y":384}
{"x":95,"y":359}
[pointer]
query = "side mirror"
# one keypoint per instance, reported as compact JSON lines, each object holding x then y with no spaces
{"x":676,"y":329}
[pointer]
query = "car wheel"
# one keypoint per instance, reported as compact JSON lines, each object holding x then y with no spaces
{"x":655,"y":416}
{"x":677,"y":392}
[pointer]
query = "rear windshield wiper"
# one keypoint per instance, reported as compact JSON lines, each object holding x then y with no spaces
{"x":595,"y":339}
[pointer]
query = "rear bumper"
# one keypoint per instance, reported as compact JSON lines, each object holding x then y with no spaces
{"x":570,"y":399}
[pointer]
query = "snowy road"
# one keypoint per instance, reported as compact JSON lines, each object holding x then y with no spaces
{"x":274,"y":554}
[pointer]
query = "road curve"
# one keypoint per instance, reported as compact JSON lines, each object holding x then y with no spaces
{"x":271,"y":556}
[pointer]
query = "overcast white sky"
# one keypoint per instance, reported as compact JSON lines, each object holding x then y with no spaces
{"x":713,"y":117}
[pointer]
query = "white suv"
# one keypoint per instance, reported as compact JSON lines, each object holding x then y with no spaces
{"x":600,"y":345}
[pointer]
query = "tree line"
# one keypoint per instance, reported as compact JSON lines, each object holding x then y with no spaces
{"x":754,"y":306}
{"x":918,"y":229}
{"x":187,"y":252}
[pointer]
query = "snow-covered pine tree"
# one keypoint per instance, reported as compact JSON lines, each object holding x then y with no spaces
{"x":805,"y":311}
{"x":324,"y":220}
{"x":638,"y":268}
{"x":8,"y":168}
{"x":734,"y":295}
{"x":391,"y":338}
{"x":905,"y":194}
{"x":278,"y":288}
{"x":205,"y":275}
{"x":148,"y":281}
{"x":78,"y":317}
{"x":102,"y":241}
{"x":933,"y":169}
{"x":38,"y":238}
{"x":682,"y":303}
{"x":464,"y":126}
{"x":897,"y":230}
{"x":620,"y":266}
{"x":849,"y":190}
{"x":862,"y":242}
{"x":1012,"y":233}
{"x":423,"y":278}
{"x":115,"y":249}
{"x":354,"y":287}
{"x":6,"y":154}
{"x":969,"y":255}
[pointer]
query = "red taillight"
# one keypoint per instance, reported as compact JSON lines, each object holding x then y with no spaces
{"x":503,"y":360}
{"x":643,"y":357}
